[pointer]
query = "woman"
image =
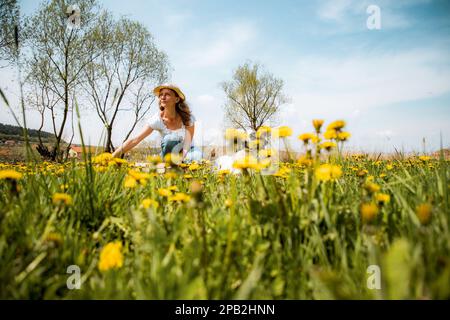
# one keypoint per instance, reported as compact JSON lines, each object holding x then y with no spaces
{"x":175,"y":123}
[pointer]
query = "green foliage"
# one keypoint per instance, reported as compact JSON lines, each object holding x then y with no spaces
{"x":240,"y":237}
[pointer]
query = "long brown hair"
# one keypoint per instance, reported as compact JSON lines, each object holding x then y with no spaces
{"x":183,"y":110}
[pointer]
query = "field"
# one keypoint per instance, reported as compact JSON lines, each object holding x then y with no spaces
{"x":323,"y":226}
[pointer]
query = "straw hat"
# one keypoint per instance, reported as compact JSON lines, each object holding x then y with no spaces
{"x":169,"y":86}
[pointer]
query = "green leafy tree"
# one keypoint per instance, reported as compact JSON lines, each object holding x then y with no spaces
{"x":253,"y":97}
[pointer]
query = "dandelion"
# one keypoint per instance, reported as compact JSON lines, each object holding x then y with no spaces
{"x":336,"y":125}
{"x":317,"y":123}
{"x":111,"y":256}
{"x":327,"y":145}
{"x":327,"y":172}
{"x":154,"y":159}
{"x":163,"y":192}
{"x":369,"y":211}
{"x":283,"y":131}
{"x":10,"y":175}
{"x":382,"y":198}
{"x":305,"y":161}
{"x":228,"y":203}
{"x":196,"y":186}
{"x":306,"y":137}
{"x":147,"y":203}
{"x":423,"y":212}
{"x":248,"y":162}
{"x":130,"y":182}
{"x":330,"y":134}
{"x":343,"y":136}
{"x":372,"y":187}
{"x":140,"y":177}
{"x":180,"y":197}
{"x":62,"y":198}
{"x":194,"y":167}
{"x":170,"y":175}
{"x":54,"y":238}
{"x":102,"y":159}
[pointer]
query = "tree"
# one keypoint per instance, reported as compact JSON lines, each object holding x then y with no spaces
{"x":253,"y":97}
{"x":129,"y":64}
{"x":9,"y":25}
{"x":59,"y":46}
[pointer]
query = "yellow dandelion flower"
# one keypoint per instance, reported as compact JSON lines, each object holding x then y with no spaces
{"x":111,"y":256}
{"x":336,"y":125}
{"x":423,"y":212}
{"x":194,"y":167}
{"x":180,"y":197}
{"x":164,"y":192}
{"x":372,"y":187}
{"x":10,"y":174}
{"x":330,"y":134}
{"x":317,"y":123}
{"x":306,"y":137}
{"x":369,"y":211}
{"x":62,"y":198}
{"x":283,"y":131}
{"x":228,"y":203}
{"x":305,"y":161}
{"x":141,"y":177}
{"x":170,"y":175}
{"x":130,"y":182}
{"x":154,"y":159}
{"x":327,"y":172}
{"x":147,"y":203}
{"x":223,"y":172}
{"x":382,"y":198}
{"x":343,"y":136}
{"x":327,"y":145}
{"x":248,"y":162}
{"x":102,"y":159}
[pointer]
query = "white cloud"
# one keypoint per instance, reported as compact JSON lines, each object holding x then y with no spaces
{"x":355,"y":83}
{"x":177,"y":20}
{"x":226,"y":44}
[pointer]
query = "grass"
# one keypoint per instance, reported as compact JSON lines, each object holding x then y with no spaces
{"x":249,"y":236}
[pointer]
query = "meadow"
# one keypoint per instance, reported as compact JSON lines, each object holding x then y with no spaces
{"x":322,"y":226}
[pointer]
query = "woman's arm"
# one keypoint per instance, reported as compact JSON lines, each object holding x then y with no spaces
{"x":131,"y":143}
{"x":188,"y":139}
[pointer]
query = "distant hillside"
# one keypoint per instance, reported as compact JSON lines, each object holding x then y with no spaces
{"x":15,"y":133}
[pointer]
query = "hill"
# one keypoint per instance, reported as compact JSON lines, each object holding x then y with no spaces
{"x":15,"y":133}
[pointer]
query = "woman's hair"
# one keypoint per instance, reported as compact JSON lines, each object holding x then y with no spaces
{"x":183,"y":110}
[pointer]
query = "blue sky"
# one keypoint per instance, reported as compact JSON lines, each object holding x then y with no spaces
{"x":391,"y":85}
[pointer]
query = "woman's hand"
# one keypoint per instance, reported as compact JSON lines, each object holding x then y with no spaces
{"x":131,"y":143}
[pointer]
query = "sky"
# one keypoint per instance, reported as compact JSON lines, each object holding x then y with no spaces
{"x":391,"y":85}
